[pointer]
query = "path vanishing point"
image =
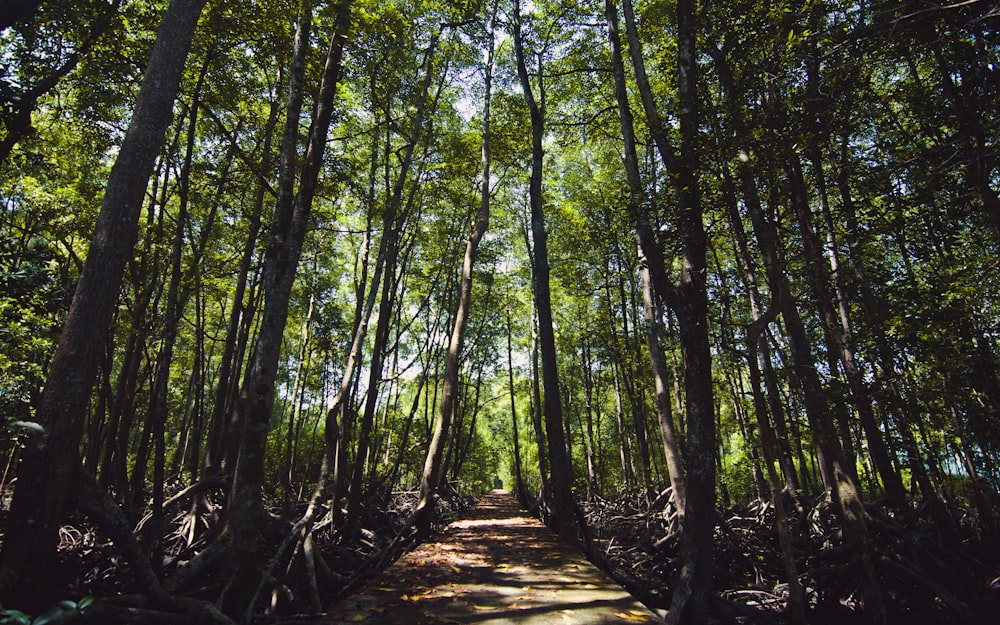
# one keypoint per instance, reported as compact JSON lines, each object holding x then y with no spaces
{"x":497,"y":566}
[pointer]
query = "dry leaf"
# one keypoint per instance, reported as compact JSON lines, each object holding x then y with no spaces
{"x":633,"y":615}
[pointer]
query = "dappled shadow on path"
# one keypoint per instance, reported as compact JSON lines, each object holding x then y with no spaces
{"x":496,"y":566}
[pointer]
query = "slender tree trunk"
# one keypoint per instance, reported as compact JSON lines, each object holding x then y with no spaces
{"x":131,"y":486}
{"x":98,"y":430}
{"x":295,"y":413}
{"x":586,"y":366}
{"x":688,"y":299}
{"x":174,"y":308}
{"x":761,"y":350}
{"x":518,"y":472}
{"x":891,"y":481}
{"x":837,"y":477}
{"x":562,"y":504}
{"x":625,"y":451}
{"x":536,"y":411}
{"x":796,"y":601}
{"x":813,"y":393}
{"x":388,"y":252}
{"x":113,"y":472}
{"x":658,"y":362}
{"x":430,"y":476}
{"x":228,"y":361}
{"x":48,"y":464}
{"x":636,"y":404}
{"x":288,"y":230}
{"x":886,"y":377}
{"x":338,"y":434}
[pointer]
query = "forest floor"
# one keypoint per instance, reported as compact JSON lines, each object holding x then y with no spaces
{"x":495,"y":566}
{"x":498,"y":564}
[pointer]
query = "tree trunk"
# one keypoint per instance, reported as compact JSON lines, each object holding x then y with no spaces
{"x":796,"y":601}
{"x":885,"y":377}
{"x":518,"y":472}
{"x":765,"y":230}
{"x":891,"y":481}
{"x":536,"y":411}
{"x":40,"y":498}
{"x":636,"y":404}
{"x":295,"y":414}
{"x":388,"y":254}
{"x":288,"y":230}
{"x":761,"y":350}
{"x":837,"y":477}
{"x":658,"y":362}
{"x":564,"y":513}
{"x":429,"y":478}
{"x":586,"y":365}
{"x":688,"y":299}
{"x":174,"y":309}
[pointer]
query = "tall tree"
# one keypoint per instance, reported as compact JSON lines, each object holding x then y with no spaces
{"x":388,"y":256}
{"x":52,"y":459}
{"x":564,"y":513}
{"x":688,"y":299}
{"x":245,"y":513}
{"x":449,"y":390}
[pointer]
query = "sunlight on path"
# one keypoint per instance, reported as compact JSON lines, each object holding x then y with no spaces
{"x":497,"y":566}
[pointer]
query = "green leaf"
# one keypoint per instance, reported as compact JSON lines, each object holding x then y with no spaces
{"x":28,"y":425}
{"x":53,"y":615}
{"x":14,"y":617}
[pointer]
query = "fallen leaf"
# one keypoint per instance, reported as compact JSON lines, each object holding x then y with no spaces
{"x":633,"y":615}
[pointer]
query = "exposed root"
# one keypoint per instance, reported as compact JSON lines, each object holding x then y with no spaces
{"x":923,"y":579}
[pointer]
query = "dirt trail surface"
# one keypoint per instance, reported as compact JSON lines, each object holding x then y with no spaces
{"x":497,"y":566}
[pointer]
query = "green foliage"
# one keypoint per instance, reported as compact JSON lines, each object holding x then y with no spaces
{"x":898,"y":114}
{"x":32,"y":298}
{"x":63,"y":612}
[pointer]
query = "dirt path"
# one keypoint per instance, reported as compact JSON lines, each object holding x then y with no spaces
{"x":497,"y":566}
